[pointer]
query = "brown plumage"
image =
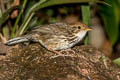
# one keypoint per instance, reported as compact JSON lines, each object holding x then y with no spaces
{"x":57,"y":36}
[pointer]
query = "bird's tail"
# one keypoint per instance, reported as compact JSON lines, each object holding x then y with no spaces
{"x":16,"y":41}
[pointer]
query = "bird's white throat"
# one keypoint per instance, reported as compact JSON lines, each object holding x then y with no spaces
{"x":81,"y":35}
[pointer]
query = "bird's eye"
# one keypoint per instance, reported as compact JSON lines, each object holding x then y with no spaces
{"x":79,"y":27}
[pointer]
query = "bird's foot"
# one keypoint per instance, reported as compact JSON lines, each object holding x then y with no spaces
{"x":65,"y":53}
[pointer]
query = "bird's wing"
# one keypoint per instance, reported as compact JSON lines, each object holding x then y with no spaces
{"x":56,"y":28}
{"x":46,"y":32}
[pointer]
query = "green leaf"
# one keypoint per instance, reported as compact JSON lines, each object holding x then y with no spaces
{"x":86,"y":41}
{"x":85,"y":14}
{"x":86,"y":18}
{"x":56,"y":2}
{"x":117,"y":61}
{"x":111,"y":19}
{"x":4,"y":31}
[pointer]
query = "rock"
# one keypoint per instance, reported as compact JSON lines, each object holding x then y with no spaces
{"x":33,"y":62}
{"x":3,"y":49}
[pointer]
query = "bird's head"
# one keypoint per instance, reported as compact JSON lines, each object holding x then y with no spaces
{"x":78,"y":27}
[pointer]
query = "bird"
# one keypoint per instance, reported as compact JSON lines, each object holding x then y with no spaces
{"x":54,"y":36}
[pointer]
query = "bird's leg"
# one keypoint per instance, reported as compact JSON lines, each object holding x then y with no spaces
{"x":53,"y":51}
{"x":60,"y":53}
{"x":49,"y":49}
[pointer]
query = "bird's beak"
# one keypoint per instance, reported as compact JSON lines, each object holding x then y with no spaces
{"x":88,"y":29}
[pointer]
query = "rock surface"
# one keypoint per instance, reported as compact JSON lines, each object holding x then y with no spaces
{"x":33,"y":62}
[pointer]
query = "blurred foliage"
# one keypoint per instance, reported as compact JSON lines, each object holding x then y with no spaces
{"x":111,"y":18}
{"x":117,"y":61}
{"x":43,"y":4}
{"x":26,"y":17}
{"x":5,"y":16}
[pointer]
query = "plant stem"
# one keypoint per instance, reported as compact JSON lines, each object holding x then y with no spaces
{"x":18,"y":19}
{"x":27,"y":19}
